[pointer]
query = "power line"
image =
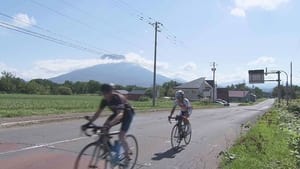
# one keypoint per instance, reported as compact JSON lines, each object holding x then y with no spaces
{"x":51,"y":32}
{"x":150,"y":20}
{"x":81,"y":23}
{"x":49,"y":38}
{"x":106,"y":22}
{"x":138,"y":13}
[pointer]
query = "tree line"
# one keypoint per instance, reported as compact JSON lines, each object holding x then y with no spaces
{"x":12,"y":84}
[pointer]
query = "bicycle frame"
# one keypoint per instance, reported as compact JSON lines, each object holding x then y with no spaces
{"x":104,"y":140}
{"x":180,"y":128}
{"x":102,"y":149}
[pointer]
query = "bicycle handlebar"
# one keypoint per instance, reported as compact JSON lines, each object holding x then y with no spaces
{"x":176,"y":118}
{"x":92,"y":128}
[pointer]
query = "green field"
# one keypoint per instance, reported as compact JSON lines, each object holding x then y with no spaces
{"x":12,"y":105}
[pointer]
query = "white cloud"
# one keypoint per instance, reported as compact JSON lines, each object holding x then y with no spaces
{"x":263,"y":61}
{"x":241,"y":6}
{"x":189,"y":71}
{"x":148,"y":64}
{"x":189,"y":66}
{"x":4,"y":67}
{"x":23,"y":20}
{"x":238,"y":12}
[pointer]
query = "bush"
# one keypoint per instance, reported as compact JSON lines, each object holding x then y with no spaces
{"x":64,"y":90}
{"x":294,"y":109}
{"x":143,"y":99}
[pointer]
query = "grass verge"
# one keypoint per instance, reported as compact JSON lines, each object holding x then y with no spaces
{"x":273,"y":143}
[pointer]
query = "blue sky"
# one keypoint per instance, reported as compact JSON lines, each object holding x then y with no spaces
{"x":238,"y":35}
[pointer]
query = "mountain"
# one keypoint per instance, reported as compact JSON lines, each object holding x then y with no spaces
{"x":118,"y":73}
{"x":266,"y":87}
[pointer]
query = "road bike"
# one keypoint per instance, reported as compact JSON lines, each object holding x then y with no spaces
{"x":180,"y":131}
{"x":106,"y":152}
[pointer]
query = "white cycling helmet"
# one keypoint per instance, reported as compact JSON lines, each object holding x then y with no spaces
{"x":179,"y":94}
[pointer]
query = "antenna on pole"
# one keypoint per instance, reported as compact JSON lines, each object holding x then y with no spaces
{"x":214,"y":81}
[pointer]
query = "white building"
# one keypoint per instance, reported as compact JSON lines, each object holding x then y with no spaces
{"x":198,"y":89}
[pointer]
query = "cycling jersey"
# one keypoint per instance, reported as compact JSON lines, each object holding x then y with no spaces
{"x":185,"y":106}
{"x":119,"y":102}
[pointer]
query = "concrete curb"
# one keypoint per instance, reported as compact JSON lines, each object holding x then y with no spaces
{"x":56,"y":118}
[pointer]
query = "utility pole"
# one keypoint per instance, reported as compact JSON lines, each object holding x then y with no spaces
{"x":279,"y":91}
{"x":291,"y":88}
{"x":214,"y":84}
{"x":156,"y":25}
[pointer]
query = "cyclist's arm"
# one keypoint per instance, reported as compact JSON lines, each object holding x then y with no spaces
{"x":172,"y":111}
{"x":101,"y":107}
{"x":97,"y":114}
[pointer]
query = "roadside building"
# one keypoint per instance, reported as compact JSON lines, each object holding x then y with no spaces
{"x":198,"y":89}
{"x":135,"y":94}
{"x":239,"y":96}
{"x":223,"y":93}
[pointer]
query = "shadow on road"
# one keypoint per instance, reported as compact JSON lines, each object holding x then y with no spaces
{"x":171,"y":153}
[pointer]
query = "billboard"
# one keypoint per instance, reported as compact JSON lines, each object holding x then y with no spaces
{"x":256,"y":76}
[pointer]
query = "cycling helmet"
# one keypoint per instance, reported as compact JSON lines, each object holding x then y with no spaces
{"x":106,"y":88}
{"x":179,"y":94}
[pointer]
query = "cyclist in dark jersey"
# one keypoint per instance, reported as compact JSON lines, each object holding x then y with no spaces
{"x":122,"y":113}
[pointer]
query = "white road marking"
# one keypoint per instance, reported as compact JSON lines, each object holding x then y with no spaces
{"x":42,"y":145}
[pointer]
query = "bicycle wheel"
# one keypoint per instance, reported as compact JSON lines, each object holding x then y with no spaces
{"x":188,"y":134}
{"x":134,"y":149}
{"x":91,"y":157}
{"x":175,"y":137}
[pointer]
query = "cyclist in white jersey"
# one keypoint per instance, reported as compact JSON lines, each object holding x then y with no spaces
{"x":184,"y":104}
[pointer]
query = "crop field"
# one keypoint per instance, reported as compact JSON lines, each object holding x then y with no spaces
{"x":12,"y":105}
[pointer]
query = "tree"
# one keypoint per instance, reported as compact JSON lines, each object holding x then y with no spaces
{"x":6,"y":82}
{"x":80,"y":87}
{"x":169,"y":88}
{"x":281,"y":89}
{"x":149,"y":93}
{"x":239,"y":86}
{"x":63,"y":90}
{"x":93,"y":86}
{"x":32,"y":87}
{"x":49,"y":86}
{"x":258,"y":92}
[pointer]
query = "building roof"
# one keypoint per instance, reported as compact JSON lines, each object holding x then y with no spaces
{"x":195,"y":84}
{"x":208,"y":85}
{"x":210,"y":82}
{"x":238,"y":94}
{"x":122,"y":91}
{"x":137,"y":92}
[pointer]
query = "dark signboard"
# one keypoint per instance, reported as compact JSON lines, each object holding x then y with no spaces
{"x":256,"y":76}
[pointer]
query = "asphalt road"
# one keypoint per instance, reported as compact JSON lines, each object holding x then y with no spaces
{"x":56,"y":145}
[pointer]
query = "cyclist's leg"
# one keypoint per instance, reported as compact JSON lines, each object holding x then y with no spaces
{"x":186,"y":122}
{"x":126,"y":121}
{"x":179,"y":123}
{"x":110,"y":118}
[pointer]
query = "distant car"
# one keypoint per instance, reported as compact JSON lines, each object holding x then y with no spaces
{"x":223,"y":102}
